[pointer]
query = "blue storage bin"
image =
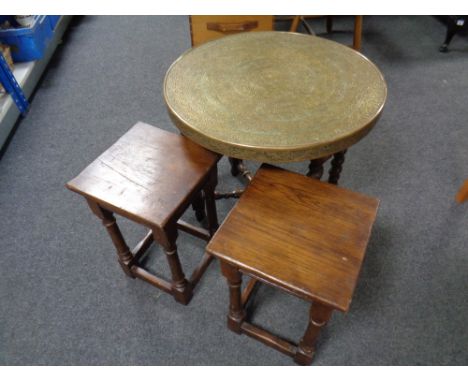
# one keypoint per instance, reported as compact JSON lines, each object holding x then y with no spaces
{"x":4,"y":18}
{"x":28,"y":44}
{"x":53,"y":20}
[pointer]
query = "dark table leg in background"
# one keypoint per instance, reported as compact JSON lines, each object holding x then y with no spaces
{"x":316,"y":167}
{"x":336,"y":167}
{"x":315,"y":171}
{"x":237,"y":168}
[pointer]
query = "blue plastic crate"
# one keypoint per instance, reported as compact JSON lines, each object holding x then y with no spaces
{"x":28,"y":44}
{"x":4,"y":18}
{"x":53,"y":20}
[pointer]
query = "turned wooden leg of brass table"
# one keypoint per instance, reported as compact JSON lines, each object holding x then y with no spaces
{"x":316,"y":167}
{"x":336,"y":167}
{"x":237,"y":168}
{"x":315,"y":171}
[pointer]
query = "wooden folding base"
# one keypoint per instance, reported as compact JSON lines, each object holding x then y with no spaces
{"x":303,"y":352}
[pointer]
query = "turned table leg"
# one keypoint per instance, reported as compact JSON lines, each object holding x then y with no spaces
{"x":316,"y":168}
{"x":336,"y":167}
{"x":198,"y":206}
{"x":237,"y":168}
{"x":181,"y":288}
{"x":209,"y":191}
{"x":108,"y":220}
{"x":318,"y":318}
{"x":234,"y":166}
{"x":357,"y":33}
{"x":236,"y":313}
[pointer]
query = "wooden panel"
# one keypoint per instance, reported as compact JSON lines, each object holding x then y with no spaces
{"x":206,"y":28}
{"x":300,"y":234}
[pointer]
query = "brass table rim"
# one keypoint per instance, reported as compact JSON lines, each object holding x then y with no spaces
{"x":343,"y":142}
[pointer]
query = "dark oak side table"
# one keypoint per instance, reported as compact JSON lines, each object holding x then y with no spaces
{"x":316,"y":256}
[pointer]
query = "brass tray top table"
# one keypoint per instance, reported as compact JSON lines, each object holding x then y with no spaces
{"x":275,"y":97}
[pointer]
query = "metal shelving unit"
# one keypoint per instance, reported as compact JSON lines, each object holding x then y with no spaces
{"x":27,"y":74}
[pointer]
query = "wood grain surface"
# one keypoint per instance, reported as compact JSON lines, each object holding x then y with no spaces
{"x":148,"y":175}
{"x":300,"y":234}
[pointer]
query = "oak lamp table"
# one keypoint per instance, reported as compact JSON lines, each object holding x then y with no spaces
{"x":151,"y":177}
{"x":315,"y":255}
{"x":275,"y":97}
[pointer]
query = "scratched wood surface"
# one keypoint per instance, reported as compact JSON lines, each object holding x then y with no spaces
{"x":132,"y":178}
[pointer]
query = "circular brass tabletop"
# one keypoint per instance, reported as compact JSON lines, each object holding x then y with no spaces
{"x":274,"y":96}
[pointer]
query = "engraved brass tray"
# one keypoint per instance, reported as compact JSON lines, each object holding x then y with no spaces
{"x":274,"y":96}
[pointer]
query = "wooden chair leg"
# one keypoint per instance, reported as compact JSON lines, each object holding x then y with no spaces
{"x":451,"y":31}
{"x":107,"y":218}
{"x":336,"y":167}
{"x":295,"y":23}
{"x":357,"y":33}
{"x":211,"y":203}
{"x":318,"y":317}
{"x":236,"y":313}
{"x":198,"y":206}
{"x":316,"y":168}
{"x":463,"y":193}
{"x":181,"y":288}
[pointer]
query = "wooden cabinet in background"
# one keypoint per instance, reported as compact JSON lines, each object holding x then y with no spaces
{"x":206,"y":28}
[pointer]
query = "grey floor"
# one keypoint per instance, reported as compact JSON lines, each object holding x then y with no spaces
{"x":63,"y":298}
